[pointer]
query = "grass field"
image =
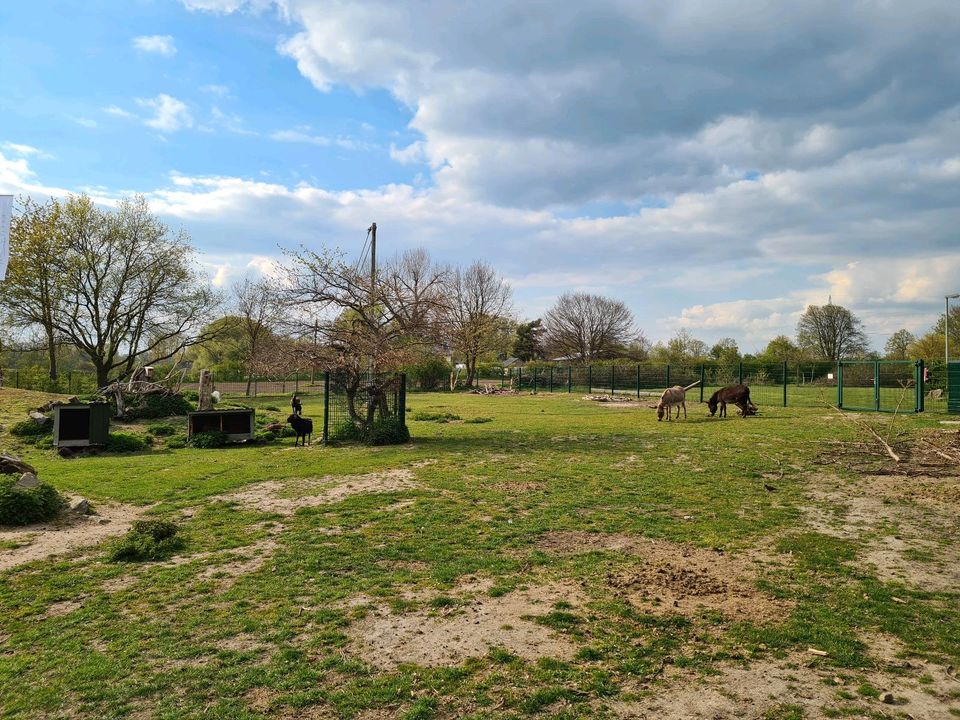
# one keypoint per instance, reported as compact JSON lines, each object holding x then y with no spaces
{"x":524,"y":556}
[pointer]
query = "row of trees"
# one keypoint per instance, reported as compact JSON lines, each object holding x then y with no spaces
{"x":119,"y":289}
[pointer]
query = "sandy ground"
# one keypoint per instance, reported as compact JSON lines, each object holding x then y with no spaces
{"x":70,"y":532}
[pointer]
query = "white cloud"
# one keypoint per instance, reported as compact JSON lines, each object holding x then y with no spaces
{"x":155,"y":44}
{"x":118,"y":112}
{"x":169,"y":114}
{"x":85,"y":122}
{"x":221,"y":91}
{"x":221,"y":276}
{"x":26,"y":151}
{"x":304,"y":134}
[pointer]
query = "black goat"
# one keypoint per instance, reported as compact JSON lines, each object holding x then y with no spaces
{"x":738,"y":395}
{"x":303,"y":427}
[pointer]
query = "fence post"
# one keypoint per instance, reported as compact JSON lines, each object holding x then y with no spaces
{"x":569,"y":379}
{"x":876,"y":385}
{"x":613,"y":380}
{"x":326,"y":407}
{"x":16,"y":376}
{"x":918,"y":382}
{"x":589,"y":379}
{"x":784,"y":383}
{"x":638,"y":381}
{"x":740,"y":373}
{"x":69,"y":382}
{"x":551,"y":378}
{"x":703,"y":380}
{"x":296,"y":383}
{"x":839,"y":384}
{"x":402,"y":401}
{"x":535,"y":372}
{"x":519,"y":378}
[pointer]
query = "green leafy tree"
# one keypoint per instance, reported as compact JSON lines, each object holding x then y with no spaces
{"x":781,"y":349}
{"x":831,"y":332}
{"x":898,"y":345}
{"x":527,"y":345}
{"x":725,"y":351}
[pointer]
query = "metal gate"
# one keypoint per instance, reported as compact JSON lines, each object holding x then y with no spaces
{"x":880,"y":385}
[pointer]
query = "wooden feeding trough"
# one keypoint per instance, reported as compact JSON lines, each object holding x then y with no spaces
{"x":237,"y":424}
{"x":81,"y":425}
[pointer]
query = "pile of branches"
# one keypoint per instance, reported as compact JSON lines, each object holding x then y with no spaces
{"x":131,"y":392}
{"x":492,"y":390}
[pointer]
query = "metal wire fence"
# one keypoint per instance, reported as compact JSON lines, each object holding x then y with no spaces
{"x":352,"y":405}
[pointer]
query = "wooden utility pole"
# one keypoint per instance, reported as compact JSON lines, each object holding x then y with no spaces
{"x":373,"y":261}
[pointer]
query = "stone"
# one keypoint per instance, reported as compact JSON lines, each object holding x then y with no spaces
{"x":27,"y":480}
{"x":38,"y":417}
{"x":80,"y":506}
{"x":11,"y":465}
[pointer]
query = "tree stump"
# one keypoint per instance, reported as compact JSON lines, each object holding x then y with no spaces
{"x":206,"y":390}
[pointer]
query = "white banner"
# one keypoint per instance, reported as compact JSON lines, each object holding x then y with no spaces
{"x":6,"y":214}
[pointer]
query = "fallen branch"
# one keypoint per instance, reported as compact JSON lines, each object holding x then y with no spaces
{"x":889,"y":450}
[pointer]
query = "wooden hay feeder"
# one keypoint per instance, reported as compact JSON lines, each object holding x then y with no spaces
{"x":238,"y":425}
{"x":81,"y":425}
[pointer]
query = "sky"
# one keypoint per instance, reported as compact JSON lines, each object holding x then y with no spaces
{"x":716,"y":164}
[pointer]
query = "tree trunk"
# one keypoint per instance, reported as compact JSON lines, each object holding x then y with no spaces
{"x":471,"y":371}
{"x":102,"y":376}
{"x":52,"y":352}
{"x":249,"y":383}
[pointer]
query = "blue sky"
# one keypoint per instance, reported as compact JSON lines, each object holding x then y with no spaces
{"x":716,"y":165}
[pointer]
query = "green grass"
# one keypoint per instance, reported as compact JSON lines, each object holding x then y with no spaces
{"x":163,"y":637}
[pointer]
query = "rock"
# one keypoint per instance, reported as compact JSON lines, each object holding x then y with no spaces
{"x":38,"y":417}
{"x":27,"y":480}
{"x":80,"y":506}
{"x":888,"y":699}
{"x":10,"y":465}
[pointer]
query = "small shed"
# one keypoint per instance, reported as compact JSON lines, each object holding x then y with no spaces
{"x":238,"y":424}
{"x":81,"y":425}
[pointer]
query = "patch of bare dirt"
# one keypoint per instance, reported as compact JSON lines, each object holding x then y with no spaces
{"x":67,"y":533}
{"x":910,"y":537}
{"x":64,"y":607}
{"x":285,"y":497}
{"x":249,"y":560}
{"x":758,"y":690}
{"x":673,"y":578}
{"x":466,"y":629}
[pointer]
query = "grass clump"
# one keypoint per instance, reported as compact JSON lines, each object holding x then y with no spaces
{"x":125,"y":443}
{"x":387,"y":432}
{"x":441,"y":417}
{"x":147,"y":540}
{"x":157,"y":406}
{"x":22,"y":506}
{"x":479,"y":420}
{"x":209,"y":439}
{"x":161,"y":429}
{"x":32,"y":428}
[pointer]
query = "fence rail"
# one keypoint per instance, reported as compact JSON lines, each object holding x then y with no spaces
{"x":783,"y":384}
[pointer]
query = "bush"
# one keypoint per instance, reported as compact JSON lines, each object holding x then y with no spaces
{"x":429,"y":373}
{"x":32,"y":428}
{"x":161,"y":429}
{"x":147,"y":540}
{"x":209,"y":439}
{"x":288,"y":432}
{"x":177,"y":442}
{"x":157,"y":406}
{"x":387,"y":432}
{"x":125,"y":442}
{"x":22,"y":506}
{"x":190,"y":395}
{"x":272,"y":408}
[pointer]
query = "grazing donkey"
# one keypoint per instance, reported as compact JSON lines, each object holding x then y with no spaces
{"x":738,"y":395}
{"x":303,"y":427}
{"x":675,"y":397}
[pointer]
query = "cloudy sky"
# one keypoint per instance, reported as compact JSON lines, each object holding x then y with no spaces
{"x":718,"y":164}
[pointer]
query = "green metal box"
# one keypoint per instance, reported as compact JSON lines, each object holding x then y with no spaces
{"x":953,"y":387}
{"x":81,"y":425}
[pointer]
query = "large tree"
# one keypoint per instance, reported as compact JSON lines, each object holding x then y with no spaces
{"x":259,"y":312}
{"x":32,"y":290}
{"x":898,"y":345}
{"x":781,"y":349}
{"x":831,"y":332}
{"x":683,"y":348}
{"x":478,"y":314}
{"x":725,"y":351}
{"x":527,"y":345}
{"x":589,"y":327}
{"x":130,"y":293}
{"x":365,"y":326}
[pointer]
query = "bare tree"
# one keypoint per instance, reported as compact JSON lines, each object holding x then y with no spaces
{"x":32,"y":290}
{"x":831,"y":332}
{"x":589,"y":327}
{"x":366,"y":327}
{"x":130,"y":294}
{"x":477,"y":319}
{"x":259,"y":312}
